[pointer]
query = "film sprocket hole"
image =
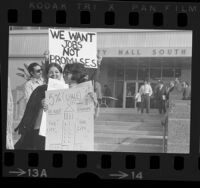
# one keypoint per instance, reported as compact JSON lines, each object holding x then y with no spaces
{"x":102,"y":89}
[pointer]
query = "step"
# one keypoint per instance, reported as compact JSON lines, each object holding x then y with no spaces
{"x":132,"y":114}
{"x":129,"y":117}
{"x":126,"y":133}
{"x":119,"y":124}
{"x":133,"y":130}
{"x":130,"y":140}
{"x":128,"y":148}
{"x":124,"y":110}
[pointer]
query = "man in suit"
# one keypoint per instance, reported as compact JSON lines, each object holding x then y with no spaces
{"x":156,"y":88}
{"x":186,"y":91}
{"x":161,"y":98}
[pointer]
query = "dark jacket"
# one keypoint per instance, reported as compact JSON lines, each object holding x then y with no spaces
{"x":107,"y":92}
{"x":156,"y":91}
{"x":26,"y":126}
{"x":161,"y":92}
{"x":169,"y":90}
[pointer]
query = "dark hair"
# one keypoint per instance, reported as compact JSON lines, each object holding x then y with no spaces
{"x":77,"y":70}
{"x":31,"y":67}
{"x":67,"y":68}
{"x":145,"y":80}
{"x":53,"y":65}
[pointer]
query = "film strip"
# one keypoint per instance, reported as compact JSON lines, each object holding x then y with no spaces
{"x":149,"y":48}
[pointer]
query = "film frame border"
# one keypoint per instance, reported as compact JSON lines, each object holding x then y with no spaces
{"x":47,"y":17}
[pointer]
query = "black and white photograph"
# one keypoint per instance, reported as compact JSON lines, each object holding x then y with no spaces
{"x":99,"y":89}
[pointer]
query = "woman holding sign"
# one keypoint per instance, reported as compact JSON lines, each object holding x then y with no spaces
{"x":31,"y":121}
{"x":29,"y":126}
{"x":75,"y":74}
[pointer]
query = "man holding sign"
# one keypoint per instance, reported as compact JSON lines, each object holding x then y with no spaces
{"x":68,"y":47}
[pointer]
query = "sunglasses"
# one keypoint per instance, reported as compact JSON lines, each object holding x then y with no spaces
{"x":38,"y":71}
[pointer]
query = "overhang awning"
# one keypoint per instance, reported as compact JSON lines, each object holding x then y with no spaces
{"x":164,"y":43}
{"x":146,"y":52}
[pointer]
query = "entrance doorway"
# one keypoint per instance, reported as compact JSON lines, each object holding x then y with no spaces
{"x":130,"y":89}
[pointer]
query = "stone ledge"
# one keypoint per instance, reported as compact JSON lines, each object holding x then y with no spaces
{"x":179,"y":126}
{"x":178,"y":148}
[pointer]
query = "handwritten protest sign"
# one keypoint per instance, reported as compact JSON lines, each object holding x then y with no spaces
{"x":70,"y":119}
{"x":53,"y":84}
{"x":68,"y":47}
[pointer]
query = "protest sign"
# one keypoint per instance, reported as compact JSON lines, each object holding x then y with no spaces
{"x":70,"y":119}
{"x":68,"y":47}
{"x":53,"y":84}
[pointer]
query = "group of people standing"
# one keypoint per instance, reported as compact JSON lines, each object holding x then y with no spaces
{"x":160,"y":94}
{"x":34,"y":93}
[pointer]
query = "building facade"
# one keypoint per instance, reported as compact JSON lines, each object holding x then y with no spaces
{"x":129,"y":57}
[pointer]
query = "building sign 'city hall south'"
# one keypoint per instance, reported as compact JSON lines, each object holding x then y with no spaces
{"x":96,"y":89}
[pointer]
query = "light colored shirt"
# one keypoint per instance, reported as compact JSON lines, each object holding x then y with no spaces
{"x":146,"y":89}
{"x":30,"y":86}
{"x":161,"y":87}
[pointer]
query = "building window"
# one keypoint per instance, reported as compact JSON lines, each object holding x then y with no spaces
{"x":168,"y":73}
{"x":119,"y":73}
{"x":131,"y":74}
{"x":177,"y":73}
{"x":119,"y":90}
{"x":143,"y":73}
{"x":155,"y":74}
{"x":111,"y":72}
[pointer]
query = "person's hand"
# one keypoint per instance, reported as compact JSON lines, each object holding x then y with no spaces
{"x":46,"y":55}
{"x":163,"y":97}
{"x":86,"y":77}
{"x":99,"y":60}
{"x":44,"y":105}
{"x":92,"y":97}
{"x":96,"y":111}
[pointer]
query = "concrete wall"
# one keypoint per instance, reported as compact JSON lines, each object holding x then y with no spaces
{"x":186,"y":75}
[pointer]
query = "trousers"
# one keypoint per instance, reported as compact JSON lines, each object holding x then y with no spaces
{"x":145,"y":103}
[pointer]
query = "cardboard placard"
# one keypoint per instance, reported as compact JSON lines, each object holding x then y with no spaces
{"x":68,"y":47}
{"x":53,"y":84}
{"x":70,"y":119}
